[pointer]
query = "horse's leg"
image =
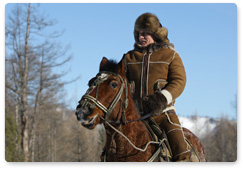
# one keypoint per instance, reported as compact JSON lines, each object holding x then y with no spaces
{"x":196,"y":144}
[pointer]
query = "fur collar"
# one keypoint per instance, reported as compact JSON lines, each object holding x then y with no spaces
{"x":153,"y":47}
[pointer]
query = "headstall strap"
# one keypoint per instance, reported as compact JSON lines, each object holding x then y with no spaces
{"x":96,"y":84}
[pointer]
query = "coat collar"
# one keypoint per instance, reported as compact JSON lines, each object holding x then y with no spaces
{"x":153,"y":47}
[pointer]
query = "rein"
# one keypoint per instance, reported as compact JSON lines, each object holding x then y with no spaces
{"x":139,"y":119}
{"x":137,"y":148}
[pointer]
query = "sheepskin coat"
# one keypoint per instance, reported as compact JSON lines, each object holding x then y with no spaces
{"x":156,"y":67}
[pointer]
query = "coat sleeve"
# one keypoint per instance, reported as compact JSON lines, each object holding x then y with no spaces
{"x":176,"y":79}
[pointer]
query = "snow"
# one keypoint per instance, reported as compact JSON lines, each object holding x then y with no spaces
{"x":198,"y":125}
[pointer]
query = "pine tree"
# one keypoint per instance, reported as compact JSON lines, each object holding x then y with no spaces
{"x":12,"y":139}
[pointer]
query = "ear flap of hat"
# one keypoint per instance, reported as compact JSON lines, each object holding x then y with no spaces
{"x":162,"y":34}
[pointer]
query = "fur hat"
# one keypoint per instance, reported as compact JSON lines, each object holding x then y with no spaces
{"x":150,"y":23}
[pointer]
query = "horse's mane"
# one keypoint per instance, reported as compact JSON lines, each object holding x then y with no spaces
{"x":110,"y":66}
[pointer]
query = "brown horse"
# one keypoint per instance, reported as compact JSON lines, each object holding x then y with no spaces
{"x":109,"y":101}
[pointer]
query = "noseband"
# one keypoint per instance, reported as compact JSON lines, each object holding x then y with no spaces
{"x":100,"y":78}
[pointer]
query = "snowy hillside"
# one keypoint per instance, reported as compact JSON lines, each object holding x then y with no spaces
{"x":198,"y":125}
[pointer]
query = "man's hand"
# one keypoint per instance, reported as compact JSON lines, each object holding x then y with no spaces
{"x":154,"y":103}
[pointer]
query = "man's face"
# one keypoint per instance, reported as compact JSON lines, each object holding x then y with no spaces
{"x":145,"y":38}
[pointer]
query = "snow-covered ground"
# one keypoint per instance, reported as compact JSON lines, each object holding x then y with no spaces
{"x":198,"y":125}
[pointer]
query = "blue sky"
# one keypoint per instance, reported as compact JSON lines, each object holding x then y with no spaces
{"x":205,"y":36}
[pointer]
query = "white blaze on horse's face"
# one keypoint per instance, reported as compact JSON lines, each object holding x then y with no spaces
{"x":102,"y":77}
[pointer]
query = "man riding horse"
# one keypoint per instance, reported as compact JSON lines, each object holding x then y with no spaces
{"x":156,"y":72}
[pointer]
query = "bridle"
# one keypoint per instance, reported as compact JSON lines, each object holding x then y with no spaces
{"x":93,"y":101}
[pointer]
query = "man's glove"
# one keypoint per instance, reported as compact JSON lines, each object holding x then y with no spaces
{"x":154,"y":103}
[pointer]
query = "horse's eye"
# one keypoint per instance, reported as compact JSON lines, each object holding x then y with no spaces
{"x":114,"y":85}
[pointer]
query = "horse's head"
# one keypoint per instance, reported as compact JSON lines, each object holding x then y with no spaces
{"x":106,"y":96}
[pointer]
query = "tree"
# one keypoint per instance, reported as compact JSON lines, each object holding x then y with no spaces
{"x":33,"y":95}
{"x":226,"y":139}
{"x":12,"y":138}
{"x":195,"y":120}
{"x":221,"y":144}
{"x":31,"y":57}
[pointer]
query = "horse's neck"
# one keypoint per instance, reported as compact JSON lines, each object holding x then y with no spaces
{"x":132,"y":111}
{"x":133,"y":130}
{"x":131,"y":114}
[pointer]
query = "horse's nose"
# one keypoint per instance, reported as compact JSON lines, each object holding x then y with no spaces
{"x":83,"y":110}
{"x":86,"y":106}
{"x":87,"y":110}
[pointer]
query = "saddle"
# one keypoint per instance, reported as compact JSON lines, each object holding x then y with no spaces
{"x":163,"y":151}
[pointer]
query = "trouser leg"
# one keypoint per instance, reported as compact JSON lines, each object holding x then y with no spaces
{"x":170,"y":123}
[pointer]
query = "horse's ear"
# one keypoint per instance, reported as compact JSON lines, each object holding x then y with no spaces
{"x":103,"y":62}
{"x":122,"y":69}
